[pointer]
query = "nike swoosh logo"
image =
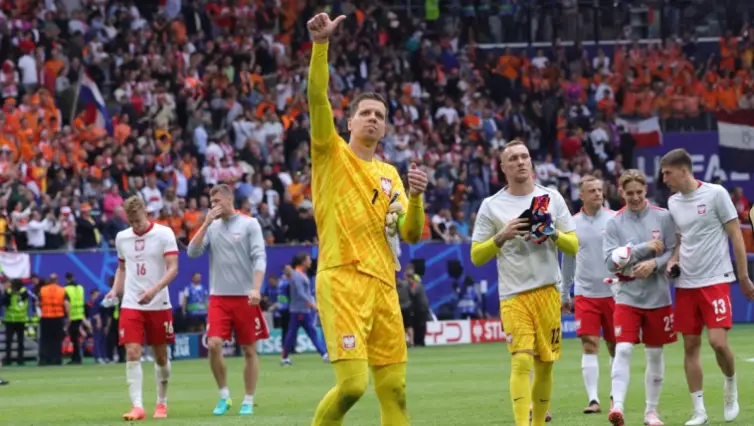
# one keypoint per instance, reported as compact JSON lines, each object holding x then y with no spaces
{"x":516,"y":399}
{"x":544,"y":400}
{"x":720,"y":318}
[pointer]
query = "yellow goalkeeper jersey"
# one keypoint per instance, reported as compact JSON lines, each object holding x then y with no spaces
{"x":350,"y":196}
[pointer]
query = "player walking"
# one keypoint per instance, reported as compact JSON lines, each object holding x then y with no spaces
{"x":302,"y":309}
{"x":147,"y":263}
{"x":594,"y":303}
{"x":528,"y":270}
{"x":643,"y":307}
{"x":237,"y":263}
{"x":356,"y":290}
{"x":704,"y":214}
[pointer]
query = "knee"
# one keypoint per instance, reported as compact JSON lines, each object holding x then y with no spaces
{"x":392,"y":388}
{"x":718,"y":344}
{"x":623,"y":351}
{"x":351,"y":390}
{"x":590,"y":345}
{"x":215,"y":345}
{"x":133,"y":353}
{"x":654,"y":354}
{"x":543,"y":367}
{"x":160,"y":359}
{"x":250,"y":353}
{"x":691,"y":347}
{"x":522,"y":363}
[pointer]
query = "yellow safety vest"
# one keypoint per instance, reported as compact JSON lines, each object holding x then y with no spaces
{"x":75,"y":293}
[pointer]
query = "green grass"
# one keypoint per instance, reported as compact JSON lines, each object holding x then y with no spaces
{"x":460,"y":385}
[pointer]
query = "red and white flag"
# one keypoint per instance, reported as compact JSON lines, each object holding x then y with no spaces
{"x":646,"y":131}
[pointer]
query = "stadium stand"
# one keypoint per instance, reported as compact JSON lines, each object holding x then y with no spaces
{"x":106,"y":99}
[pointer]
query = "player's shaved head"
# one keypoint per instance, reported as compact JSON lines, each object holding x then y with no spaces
{"x":591,"y":193}
{"x":515,"y":161}
{"x":509,"y":145}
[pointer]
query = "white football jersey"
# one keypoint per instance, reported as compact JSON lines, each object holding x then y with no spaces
{"x":701,"y":217}
{"x":522,"y":265}
{"x":144,"y":258}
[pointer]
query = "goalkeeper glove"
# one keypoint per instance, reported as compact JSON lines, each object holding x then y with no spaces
{"x":544,"y":229}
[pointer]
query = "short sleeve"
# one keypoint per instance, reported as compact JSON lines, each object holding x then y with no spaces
{"x":724,"y":207}
{"x":484,"y":226}
{"x":170,"y":247}
{"x":561,"y":215}
{"x":119,"y":249}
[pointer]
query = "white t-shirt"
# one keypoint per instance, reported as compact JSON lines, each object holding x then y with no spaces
{"x":153,"y":198}
{"x":144,"y":259}
{"x":522,"y":265}
{"x":28,"y":66}
{"x":701,"y":217}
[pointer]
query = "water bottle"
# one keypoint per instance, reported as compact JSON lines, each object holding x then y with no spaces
{"x":109,"y":303}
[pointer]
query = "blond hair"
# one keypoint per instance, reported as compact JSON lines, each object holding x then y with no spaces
{"x":134,"y":205}
{"x":221,"y":189}
{"x":632,"y":175}
{"x":588,"y":178}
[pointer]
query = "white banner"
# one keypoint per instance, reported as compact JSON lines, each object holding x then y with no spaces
{"x":15,"y":265}
{"x":448,"y":333}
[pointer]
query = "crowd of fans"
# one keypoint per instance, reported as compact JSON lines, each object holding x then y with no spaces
{"x":215,"y":91}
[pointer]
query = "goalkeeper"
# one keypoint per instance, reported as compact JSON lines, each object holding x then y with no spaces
{"x":358,"y":230}
{"x":523,"y":226}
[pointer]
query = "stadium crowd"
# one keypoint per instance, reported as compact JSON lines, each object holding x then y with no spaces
{"x":208,"y":92}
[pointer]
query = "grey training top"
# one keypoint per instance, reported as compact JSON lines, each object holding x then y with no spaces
{"x":236,"y":251}
{"x":637,"y":230}
{"x":587,"y":270}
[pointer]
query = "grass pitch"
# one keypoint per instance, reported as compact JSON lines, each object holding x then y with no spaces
{"x":451,"y":385}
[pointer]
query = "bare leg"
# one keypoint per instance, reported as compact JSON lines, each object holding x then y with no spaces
{"x":250,"y":372}
{"x":217,"y":363}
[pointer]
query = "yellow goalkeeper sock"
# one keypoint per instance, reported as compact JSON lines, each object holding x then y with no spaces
{"x":390,"y":387}
{"x":351,"y":380}
{"x":520,"y":388}
{"x":541,"y":391}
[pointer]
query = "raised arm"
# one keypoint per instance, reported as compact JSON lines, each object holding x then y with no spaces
{"x":323,"y":133}
{"x":200,"y":242}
